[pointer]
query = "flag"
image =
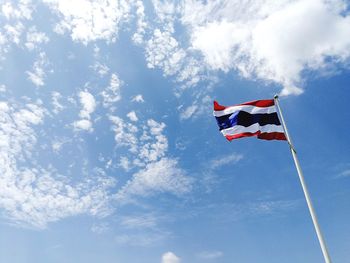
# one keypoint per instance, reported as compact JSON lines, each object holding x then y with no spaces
{"x":255,"y":118}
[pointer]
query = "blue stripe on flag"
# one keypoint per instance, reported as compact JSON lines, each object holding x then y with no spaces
{"x":227,"y":121}
{"x":246,"y":119}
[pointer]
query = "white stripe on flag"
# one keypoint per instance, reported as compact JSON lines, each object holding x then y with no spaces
{"x":247,"y":108}
{"x":237,"y":129}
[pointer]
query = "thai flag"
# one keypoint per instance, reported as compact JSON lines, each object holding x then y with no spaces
{"x":255,"y":118}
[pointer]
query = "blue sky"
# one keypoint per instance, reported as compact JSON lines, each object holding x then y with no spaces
{"x":109,"y":151}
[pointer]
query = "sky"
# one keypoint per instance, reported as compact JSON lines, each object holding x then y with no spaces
{"x":109,"y":151}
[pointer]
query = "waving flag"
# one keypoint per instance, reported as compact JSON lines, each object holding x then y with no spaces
{"x":256,"y":118}
{"x":259,"y":118}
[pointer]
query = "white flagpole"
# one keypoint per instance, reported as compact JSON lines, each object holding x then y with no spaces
{"x":326,"y":256}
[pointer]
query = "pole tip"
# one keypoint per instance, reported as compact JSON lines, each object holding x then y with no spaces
{"x":276,"y":96}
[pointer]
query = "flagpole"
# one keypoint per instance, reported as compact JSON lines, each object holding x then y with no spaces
{"x":326,"y":256}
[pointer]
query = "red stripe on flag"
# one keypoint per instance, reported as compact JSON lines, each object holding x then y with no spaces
{"x":264,"y":136}
{"x":256,"y":103}
{"x":272,"y":136}
{"x":260,"y":103}
{"x":241,"y":135}
{"x":217,"y":106}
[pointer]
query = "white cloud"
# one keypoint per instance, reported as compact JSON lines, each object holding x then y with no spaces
{"x":55,"y":98}
{"x":163,"y":51}
{"x":83,"y":125}
{"x":147,"y":144}
{"x":3,"y":88}
{"x":166,"y":12}
{"x":188,"y":112}
{"x":58,"y":143}
{"x":141,"y":23}
{"x":198,"y":107}
{"x":225,"y":160}
{"x":170,"y":257}
{"x":132,"y":116}
{"x":38,"y":74}
{"x":22,"y":10}
{"x":34,"y":196}
{"x":88,"y":103}
{"x":88,"y":21}
{"x":138,"y":98}
{"x":111,"y":94}
{"x":265,"y":40}
{"x":157,"y":177}
{"x":125,"y":163}
{"x":217,"y":41}
{"x":14,"y":17}
{"x":124,"y":133}
{"x":154,"y":143}
{"x":271,"y":40}
{"x":100,"y":69}
{"x":34,"y":38}
{"x":139,"y":222}
{"x":13,"y":33}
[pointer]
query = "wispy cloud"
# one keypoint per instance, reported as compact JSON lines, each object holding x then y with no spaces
{"x":125,"y":133}
{"x":345,"y":173}
{"x":157,"y":177}
{"x":111,"y":94}
{"x":148,"y":146}
{"x":210,"y":255}
{"x":100,"y":69}
{"x":188,"y":112}
{"x":225,"y":160}
{"x":100,"y":228}
{"x":139,"y":222}
{"x":34,"y":196}
{"x":210,"y":178}
{"x":341,"y":171}
{"x":142,"y":239}
{"x":55,"y":101}
{"x":35,"y":38}
{"x":57,"y":144}
{"x":164,"y":51}
{"x":38,"y":73}
{"x":230,"y":212}
{"x":146,"y":142}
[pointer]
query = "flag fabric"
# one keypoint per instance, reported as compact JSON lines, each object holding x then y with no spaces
{"x":255,"y":118}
